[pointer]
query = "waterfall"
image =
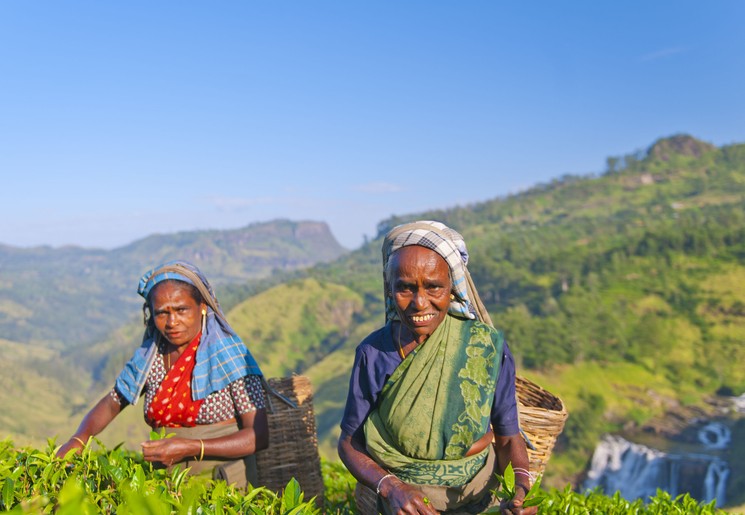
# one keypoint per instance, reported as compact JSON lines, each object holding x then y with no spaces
{"x":715,"y":481}
{"x":637,"y":471}
{"x":739,"y":403}
{"x":715,"y":435}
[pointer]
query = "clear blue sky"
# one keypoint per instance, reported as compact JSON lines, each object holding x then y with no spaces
{"x":121,"y":119}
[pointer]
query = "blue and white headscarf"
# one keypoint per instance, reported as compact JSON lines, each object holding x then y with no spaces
{"x":446,"y":242}
{"x":221,"y":356}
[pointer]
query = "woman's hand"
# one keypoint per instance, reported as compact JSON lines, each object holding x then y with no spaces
{"x":253,"y":436}
{"x":93,"y":423}
{"x":170,"y":450}
{"x":404,"y":498}
{"x":511,"y":449}
{"x":72,"y":443}
{"x":515,"y":505}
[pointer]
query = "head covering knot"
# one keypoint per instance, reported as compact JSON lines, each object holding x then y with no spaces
{"x":446,"y":242}
{"x":221,"y":357}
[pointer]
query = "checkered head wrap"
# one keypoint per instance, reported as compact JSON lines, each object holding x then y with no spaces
{"x":449,"y":244}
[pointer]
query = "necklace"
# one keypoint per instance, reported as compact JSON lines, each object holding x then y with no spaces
{"x":400,"y":348}
{"x":166,"y":353}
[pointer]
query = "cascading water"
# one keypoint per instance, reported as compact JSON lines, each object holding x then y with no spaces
{"x":739,"y":403}
{"x":715,"y":436}
{"x":637,"y":471}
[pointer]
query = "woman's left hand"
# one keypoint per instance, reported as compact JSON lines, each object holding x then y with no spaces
{"x":515,"y":505}
{"x":170,"y":450}
{"x":511,"y":449}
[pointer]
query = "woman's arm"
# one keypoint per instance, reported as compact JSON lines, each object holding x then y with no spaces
{"x":252,"y":436}
{"x":511,"y":449}
{"x":92,"y":424}
{"x":402,"y":497}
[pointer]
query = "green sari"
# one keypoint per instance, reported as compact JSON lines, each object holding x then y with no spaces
{"x":436,"y":404}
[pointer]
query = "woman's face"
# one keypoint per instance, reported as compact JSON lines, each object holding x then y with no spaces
{"x":176,"y":313}
{"x":420,"y":286}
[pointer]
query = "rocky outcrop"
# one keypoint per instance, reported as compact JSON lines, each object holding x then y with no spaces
{"x":681,"y":144}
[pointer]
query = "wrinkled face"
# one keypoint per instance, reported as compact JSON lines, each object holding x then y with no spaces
{"x":176,"y":313}
{"x":420,"y":286}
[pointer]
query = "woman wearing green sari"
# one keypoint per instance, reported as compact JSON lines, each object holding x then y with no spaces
{"x":431,"y":414}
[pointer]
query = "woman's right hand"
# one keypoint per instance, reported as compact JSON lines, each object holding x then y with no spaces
{"x":404,"y":498}
{"x":72,"y":443}
{"x":93,"y":423}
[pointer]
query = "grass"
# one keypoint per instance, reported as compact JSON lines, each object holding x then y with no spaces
{"x":289,"y":325}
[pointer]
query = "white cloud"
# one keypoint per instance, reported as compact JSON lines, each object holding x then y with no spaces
{"x":378,"y":187}
{"x":236,"y":203}
{"x":661,"y":54}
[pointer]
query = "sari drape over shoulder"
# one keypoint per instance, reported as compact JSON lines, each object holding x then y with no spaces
{"x":437,"y":404}
{"x":172,"y":405}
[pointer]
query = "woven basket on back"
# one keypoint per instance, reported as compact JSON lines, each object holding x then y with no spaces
{"x":366,"y":499}
{"x":542,"y":416}
{"x":293,"y":444}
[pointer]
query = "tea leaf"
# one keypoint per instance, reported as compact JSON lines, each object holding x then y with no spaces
{"x":509,"y":478}
{"x":8,"y":493}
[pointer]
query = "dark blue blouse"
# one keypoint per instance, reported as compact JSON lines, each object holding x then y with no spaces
{"x":375,"y":360}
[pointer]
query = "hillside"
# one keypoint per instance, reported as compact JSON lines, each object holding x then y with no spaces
{"x":71,"y":295}
{"x":624,"y":293}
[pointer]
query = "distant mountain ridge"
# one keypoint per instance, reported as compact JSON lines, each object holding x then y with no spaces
{"x":72,"y":295}
{"x":612,"y":289}
{"x":622,"y":292}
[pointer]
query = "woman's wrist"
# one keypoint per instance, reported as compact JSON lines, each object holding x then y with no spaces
{"x":82,"y":441}
{"x":526,"y":488}
{"x":527,"y":479}
{"x":196,"y":449}
{"x":201,"y":450}
{"x":383,"y":485}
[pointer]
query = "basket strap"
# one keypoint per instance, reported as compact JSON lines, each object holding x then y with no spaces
{"x":473,"y":295}
{"x":274,"y":392}
{"x":525,"y":437}
{"x":483,"y":315}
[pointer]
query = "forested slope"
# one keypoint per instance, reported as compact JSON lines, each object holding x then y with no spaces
{"x":71,"y":316}
{"x":622,"y":292}
{"x":71,"y":295}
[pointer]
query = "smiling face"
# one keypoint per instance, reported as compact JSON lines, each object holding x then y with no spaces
{"x":176,"y":313}
{"x":420,"y":285}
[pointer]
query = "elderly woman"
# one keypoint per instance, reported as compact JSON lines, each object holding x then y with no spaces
{"x":431,"y":414}
{"x":198,"y":379}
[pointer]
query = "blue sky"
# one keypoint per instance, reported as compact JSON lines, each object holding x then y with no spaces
{"x":123,"y":119}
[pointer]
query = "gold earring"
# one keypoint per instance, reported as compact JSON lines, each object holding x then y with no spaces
{"x":452,"y":296}
{"x":204,"y":320}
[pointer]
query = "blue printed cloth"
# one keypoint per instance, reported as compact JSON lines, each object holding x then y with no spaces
{"x":222,"y":357}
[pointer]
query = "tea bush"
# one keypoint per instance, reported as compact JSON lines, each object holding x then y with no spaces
{"x":120,"y":481}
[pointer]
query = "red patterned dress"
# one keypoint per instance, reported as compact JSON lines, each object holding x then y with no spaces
{"x":164,"y":409}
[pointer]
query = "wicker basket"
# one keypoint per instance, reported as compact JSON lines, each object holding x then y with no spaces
{"x":366,"y":499}
{"x":542,"y":416}
{"x":293,"y":444}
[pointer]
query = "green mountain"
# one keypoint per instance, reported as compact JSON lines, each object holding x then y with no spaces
{"x":70,"y":315}
{"x":71,"y":295}
{"x":623,"y":293}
